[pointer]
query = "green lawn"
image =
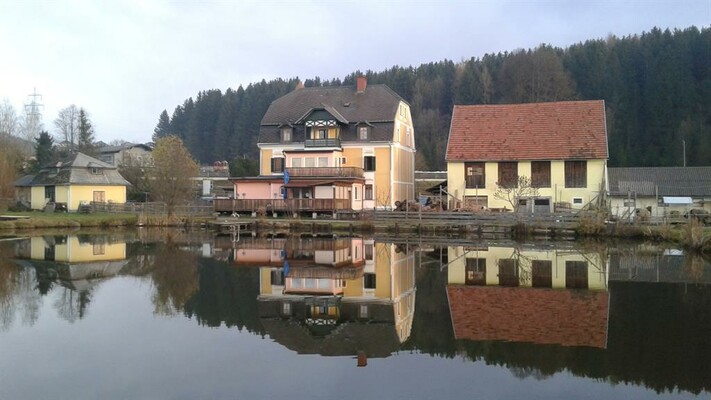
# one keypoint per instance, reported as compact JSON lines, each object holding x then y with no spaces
{"x":66,"y":220}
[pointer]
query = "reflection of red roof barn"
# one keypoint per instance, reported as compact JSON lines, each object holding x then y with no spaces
{"x":542,"y":316}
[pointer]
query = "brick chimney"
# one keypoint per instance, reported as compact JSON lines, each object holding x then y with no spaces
{"x":299,"y":85}
{"x":361,"y":83}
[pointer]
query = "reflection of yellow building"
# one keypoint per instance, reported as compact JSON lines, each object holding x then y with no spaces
{"x":525,"y":295}
{"x":506,"y":266}
{"x":77,"y":259}
{"x":343,"y":290}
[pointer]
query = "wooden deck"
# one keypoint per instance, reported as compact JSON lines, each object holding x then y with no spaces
{"x":280,"y":205}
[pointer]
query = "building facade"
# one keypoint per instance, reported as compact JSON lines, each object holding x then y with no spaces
{"x":662,"y":191}
{"x":129,"y":154}
{"x":349,"y":147}
{"x":559,"y":147}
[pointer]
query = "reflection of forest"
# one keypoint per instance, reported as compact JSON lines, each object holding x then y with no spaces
{"x":657,"y":332}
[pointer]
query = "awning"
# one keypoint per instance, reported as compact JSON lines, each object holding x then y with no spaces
{"x":677,"y":200}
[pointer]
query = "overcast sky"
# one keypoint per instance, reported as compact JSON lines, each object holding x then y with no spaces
{"x":126,"y":61}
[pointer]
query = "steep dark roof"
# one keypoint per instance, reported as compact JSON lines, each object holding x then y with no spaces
{"x":116,"y":149}
{"x":661,"y":181}
{"x":376,"y":105}
{"x":534,"y":131}
{"x":76,"y":170}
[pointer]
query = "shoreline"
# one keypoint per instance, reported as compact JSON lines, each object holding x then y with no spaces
{"x":689,"y":235}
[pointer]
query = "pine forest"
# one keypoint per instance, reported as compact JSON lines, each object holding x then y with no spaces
{"x":656,"y":87}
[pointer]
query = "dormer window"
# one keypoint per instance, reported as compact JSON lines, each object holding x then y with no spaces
{"x":286,"y":134}
{"x":321,"y":133}
{"x":363,"y":132}
{"x":95,"y":171}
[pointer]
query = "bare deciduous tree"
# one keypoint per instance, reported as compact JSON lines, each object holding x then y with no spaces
{"x":513,"y":193}
{"x":9,"y":122}
{"x":67,"y":124}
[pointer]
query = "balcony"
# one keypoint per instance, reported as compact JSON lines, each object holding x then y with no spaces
{"x":322,"y":143}
{"x":326,"y":172}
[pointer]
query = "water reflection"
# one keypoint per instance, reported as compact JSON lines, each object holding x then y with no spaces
{"x":331,"y":296}
{"x":637,"y":314}
{"x":518,"y":294}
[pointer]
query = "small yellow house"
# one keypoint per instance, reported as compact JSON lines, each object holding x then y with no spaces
{"x":560,"y":147}
{"x":78,"y":180}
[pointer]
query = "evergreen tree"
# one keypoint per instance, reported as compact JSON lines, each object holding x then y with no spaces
{"x":86,"y":135}
{"x":163,"y":127}
{"x":656,"y":87}
{"x":44,"y":151}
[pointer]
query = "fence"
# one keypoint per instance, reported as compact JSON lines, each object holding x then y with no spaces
{"x":156,"y":208}
{"x":482,"y":218}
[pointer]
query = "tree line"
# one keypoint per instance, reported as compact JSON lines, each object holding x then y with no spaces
{"x":656,"y":87}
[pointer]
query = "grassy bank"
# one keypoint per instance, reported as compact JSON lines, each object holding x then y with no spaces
{"x":38,"y":220}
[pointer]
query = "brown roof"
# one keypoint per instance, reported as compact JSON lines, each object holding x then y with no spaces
{"x":542,"y":316}
{"x":534,"y":131}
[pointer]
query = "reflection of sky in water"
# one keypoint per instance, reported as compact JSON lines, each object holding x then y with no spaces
{"x":122,"y":350}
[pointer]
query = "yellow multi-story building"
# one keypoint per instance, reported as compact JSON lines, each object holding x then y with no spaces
{"x":333,"y":148}
{"x":558,"y":148}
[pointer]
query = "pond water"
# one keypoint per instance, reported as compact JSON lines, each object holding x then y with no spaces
{"x":174,"y":315}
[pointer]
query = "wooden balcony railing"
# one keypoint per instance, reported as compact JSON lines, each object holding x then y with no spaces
{"x":326,"y":172}
{"x":281,"y":205}
{"x":322,"y":143}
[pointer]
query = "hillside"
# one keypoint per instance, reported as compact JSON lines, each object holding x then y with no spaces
{"x":656,"y":86}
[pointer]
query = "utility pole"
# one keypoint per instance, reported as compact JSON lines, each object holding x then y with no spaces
{"x":683,"y":142}
{"x":33,"y":112}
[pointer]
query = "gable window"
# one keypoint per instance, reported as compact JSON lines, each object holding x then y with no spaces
{"x":368,"y":193}
{"x":369,"y":163}
{"x":278,"y":164}
{"x":576,"y":174}
{"x":475,"y":174}
{"x":363,"y":132}
{"x":508,"y":174}
{"x":321,"y":133}
{"x":541,"y":174}
{"x":286,"y":134}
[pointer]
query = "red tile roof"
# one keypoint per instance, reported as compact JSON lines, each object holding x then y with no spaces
{"x":534,"y":131}
{"x":542,"y":316}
